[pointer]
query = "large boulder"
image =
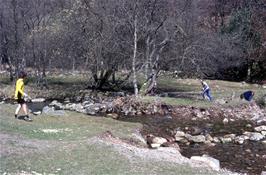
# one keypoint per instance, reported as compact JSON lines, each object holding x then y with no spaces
{"x":196,"y":139}
{"x":93,"y":109}
{"x":211,"y":162}
{"x":254,"y":136}
{"x":52,"y":112}
{"x":57,"y":105}
{"x":260,"y":128}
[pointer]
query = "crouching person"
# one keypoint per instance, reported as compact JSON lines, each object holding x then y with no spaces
{"x":247,"y":95}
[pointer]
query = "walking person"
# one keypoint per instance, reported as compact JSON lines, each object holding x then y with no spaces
{"x":20,"y":96}
{"x":206,"y":92}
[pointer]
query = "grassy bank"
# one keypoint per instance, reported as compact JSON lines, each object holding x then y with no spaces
{"x":186,"y":91}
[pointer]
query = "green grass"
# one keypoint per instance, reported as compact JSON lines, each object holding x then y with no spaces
{"x":74,"y":126}
{"x":177,"y":101}
{"x":229,"y":91}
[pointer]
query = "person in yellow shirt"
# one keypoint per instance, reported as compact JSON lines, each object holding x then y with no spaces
{"x":20,"y":96}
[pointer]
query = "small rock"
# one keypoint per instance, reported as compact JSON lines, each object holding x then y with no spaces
{"x":226,"y":140}
{"x":216,"y":140}
{"x":38,"y":100}
{"x":180,"y":134}
{"x":263,"y":173}
{"x":139,"y":113}
{"x":92,"y":109}
{"x":198,"y":114}
{"x":240,"y":140}
{"x":155,"y":145}
{"x":84,"y":103}
{"x":263,"y":133}
{"x":232,"y":136}
{"x":225,"y":121}
{"x":112,"y":115}
{"x":67,"y":100}
{"x":209,"y":138}
{"x":248,"y":125}
{"x":159,"y":140}
{"x":79,"y":108}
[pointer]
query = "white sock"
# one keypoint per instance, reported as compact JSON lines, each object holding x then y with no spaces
{"x":17,"y":110}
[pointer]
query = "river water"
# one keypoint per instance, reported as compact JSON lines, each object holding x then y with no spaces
{"x":249,"y":157}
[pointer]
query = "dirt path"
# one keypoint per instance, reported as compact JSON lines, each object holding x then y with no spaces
{"x":12,"y":144}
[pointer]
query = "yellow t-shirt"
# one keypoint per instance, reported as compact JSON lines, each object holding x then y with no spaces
{"x":19,"y":93}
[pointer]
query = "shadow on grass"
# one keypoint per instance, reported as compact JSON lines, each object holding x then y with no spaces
{"x":25,"y":118}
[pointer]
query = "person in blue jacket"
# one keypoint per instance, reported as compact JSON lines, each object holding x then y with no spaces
{"x":206,"y":92}
{"x":247,"y":95}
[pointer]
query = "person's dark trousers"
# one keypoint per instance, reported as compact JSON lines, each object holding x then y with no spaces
{"x":208,"y":94}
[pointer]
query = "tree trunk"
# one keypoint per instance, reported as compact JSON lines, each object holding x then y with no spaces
{"x":249,"y":71}
{"x":73,"y":64}
{"x":135,"y":85}
{"x":147,"y":65}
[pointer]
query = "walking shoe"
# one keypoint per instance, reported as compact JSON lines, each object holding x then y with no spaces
{"x":27,"y":118}
{"x":16,"y":116}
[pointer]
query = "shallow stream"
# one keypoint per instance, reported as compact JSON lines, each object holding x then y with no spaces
{"x":249,"y":157}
